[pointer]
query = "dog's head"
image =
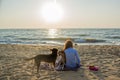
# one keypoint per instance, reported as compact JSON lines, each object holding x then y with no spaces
{"x":54,"y":50}
{"x":61,"y":52}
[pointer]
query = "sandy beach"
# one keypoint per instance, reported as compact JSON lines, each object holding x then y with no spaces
{"x":14,"y":67}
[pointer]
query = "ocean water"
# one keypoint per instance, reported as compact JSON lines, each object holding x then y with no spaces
{"x":58,"y":36}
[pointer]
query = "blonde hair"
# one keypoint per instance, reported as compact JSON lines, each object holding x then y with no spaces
{"x":68,"y":44}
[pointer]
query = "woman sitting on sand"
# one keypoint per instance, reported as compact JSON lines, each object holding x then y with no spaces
{"x":72,"y":60}
{"x":72,"y":57}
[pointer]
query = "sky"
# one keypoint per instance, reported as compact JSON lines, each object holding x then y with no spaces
{"x":77,"y":14}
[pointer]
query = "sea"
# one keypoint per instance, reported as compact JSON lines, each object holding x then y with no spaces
{"x":104,"y":36}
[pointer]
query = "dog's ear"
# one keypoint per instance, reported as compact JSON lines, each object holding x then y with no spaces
{"x":51,"y":49}
{"x":54,"y":50}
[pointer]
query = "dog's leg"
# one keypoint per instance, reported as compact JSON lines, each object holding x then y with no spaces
{"x":38,"y":66}
{"x":54,"y":64}
{"x":37,"y":62}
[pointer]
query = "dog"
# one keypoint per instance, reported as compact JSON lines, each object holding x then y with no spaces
{"x":62,"y":59}
{"x":62,"y":53}
{"x":50,"y":58}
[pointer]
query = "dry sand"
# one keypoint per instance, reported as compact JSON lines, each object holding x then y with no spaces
{"x":14,"y":67}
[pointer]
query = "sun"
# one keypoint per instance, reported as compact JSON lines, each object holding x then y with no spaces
{"x":52,"y":12}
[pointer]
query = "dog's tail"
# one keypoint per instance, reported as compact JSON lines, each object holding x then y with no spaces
{"x":28,"y":59}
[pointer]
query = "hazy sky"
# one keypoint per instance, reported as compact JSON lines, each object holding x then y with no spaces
{"x":77,"y":13}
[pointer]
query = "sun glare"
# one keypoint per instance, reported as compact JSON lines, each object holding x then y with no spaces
{"x":52,"y":12}
{"x":52,"y":32}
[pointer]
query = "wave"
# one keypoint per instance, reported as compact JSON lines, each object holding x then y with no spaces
{"x":89,"y":40}
{"x":95,"y":40}
{"x":62,"y":39}
{"x":9,"y":42}
{"x":78,"y":40}
{"x":113,"y":37}
{"x":10,"y":36}
{"x":28,"y":38}
{"x":78,"y":35}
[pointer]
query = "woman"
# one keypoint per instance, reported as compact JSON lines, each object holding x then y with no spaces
{"x":72,"y":57}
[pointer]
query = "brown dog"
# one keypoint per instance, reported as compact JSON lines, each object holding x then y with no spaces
{"x":50,"y":58}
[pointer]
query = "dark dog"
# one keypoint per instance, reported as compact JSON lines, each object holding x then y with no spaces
{"x":50,"y":58}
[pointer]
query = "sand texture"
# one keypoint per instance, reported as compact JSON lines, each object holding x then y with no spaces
{"x":14,"y":67}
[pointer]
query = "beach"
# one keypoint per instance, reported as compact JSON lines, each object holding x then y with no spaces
{"x":14,"y":67}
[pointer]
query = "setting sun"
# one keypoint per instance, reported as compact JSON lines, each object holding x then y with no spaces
{"x":52,"y":12}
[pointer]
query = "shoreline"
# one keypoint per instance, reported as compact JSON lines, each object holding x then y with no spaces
{"x":13,"y":66}
{"x":62,"y":44}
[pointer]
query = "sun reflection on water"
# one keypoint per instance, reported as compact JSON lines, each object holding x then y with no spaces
{"x":52,"y":32}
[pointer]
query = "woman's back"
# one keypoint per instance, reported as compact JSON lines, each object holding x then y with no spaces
{"x":72,"y":58}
